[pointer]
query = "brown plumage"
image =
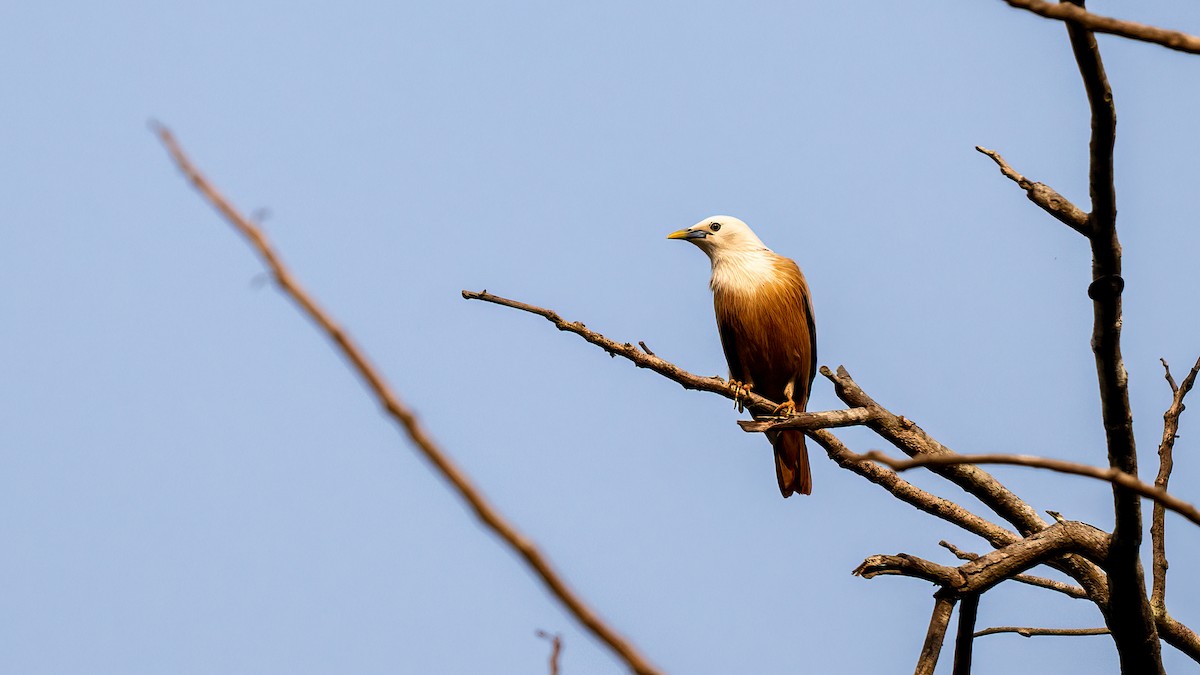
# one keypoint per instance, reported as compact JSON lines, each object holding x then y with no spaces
{"x":765,"y":319}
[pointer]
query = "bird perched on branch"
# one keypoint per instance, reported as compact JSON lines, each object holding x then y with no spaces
{"x":765,"y":318}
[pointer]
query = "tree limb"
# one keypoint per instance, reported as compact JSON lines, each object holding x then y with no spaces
{"x":485,"y":511}
{"x":1128,"y":612}
{"x":1108,"y":475}
{"x":1102,"y":24}
{"x":943,"y":607}
{"x":809,"y":421}
{"x":910,"y":494}
{"x":1179,"y":636}
{"x":1025,"y":631}
{"x":1088,"y":575}
{"x":1070,"y":590}
{"x":947,"y":510}
{"x":981,"y":574}
{"x":1166,"y":462}
{"x":1044,"y":196}
{"x":964,"y":640}
{"x":913,"y":440}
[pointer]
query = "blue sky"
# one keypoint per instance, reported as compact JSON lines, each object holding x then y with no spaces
{"x":193,"y":482}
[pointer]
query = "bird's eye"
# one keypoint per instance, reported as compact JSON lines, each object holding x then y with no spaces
{"x":714,"y":226}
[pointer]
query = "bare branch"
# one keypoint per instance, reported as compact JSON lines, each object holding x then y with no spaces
{"x":809,"y":421}
{"x":555,"y":649}
{"x":942,"y":508}
{"x":976,"y":576}
{"x":1102,"y":24}
{"x":906,"y":492}
{"x":714,"y":385}
{"x":1025,"y":631}
{"x":1041,"y":582}
{"x":943,"y":607}
{"x":964,"y":640}
{"x":914,"y":441}
{"x":977,"y":481}
{"x":979,"y":575}
{"x":487,"y":513}
{"x":1179,"y":636}
{"x":1127,"y":612}
{"x":1166,"y":463}
{"x":1108,"y":475}
{"x":1044,"y":196}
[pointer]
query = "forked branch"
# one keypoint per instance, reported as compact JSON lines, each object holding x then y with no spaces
{"x":1166,"y":463}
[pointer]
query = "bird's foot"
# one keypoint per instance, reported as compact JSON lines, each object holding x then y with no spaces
{"x":787,"y":409}
{"x":740,"y":391}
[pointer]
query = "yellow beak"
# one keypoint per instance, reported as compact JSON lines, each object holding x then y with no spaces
{"x":687,"y":234}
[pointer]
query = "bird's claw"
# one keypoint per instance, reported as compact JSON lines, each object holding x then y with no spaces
{"x":787,"y":409}
{"x":740,"y":391}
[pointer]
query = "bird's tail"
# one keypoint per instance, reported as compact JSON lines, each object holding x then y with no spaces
{"x":791,"y":462}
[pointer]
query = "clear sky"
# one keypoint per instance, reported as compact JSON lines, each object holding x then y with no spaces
{"x":191,"y":480}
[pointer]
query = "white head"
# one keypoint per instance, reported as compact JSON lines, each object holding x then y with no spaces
{"x":739,"y":258}
{"x":721,"y":237}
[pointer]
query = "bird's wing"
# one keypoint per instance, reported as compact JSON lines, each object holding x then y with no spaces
{"x":729,"y":343}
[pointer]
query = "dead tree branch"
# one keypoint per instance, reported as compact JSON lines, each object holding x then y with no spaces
{"x":914,"y":441}
{"x":1166,"y":463}
{"x":947,"y":510}
{"x":1025,"y":631}
{"x":910,"y":494}
{"x":1077,"y":15}
{"x":809,"y":421}
{"x":1179,"y":636}
{"x":964,"y":640}
{"x":1044,"y":196}
{"x":1159,"y":495}
{"x":977,"y":481}
{"x":981,"y":574}
{"x":1128,"y":612}
{"x":483,"y":509}
{"x":939,"y":620}
{"x":1070,"y":590}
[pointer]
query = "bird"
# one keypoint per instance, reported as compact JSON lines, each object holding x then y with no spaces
{"x":765,"y":320}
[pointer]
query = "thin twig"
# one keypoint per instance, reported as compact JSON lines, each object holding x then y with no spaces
{"x":555,"y":649}
{"x":1044,"y":196}
{"x":714,"y":385}
{"x":1121,"y":478}
{"x":1026,"y":631}
{"x":487,"y":513}
{"x":1102,"y":24}
{"x":943,"y":607}
{"x":1166,"y":463}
